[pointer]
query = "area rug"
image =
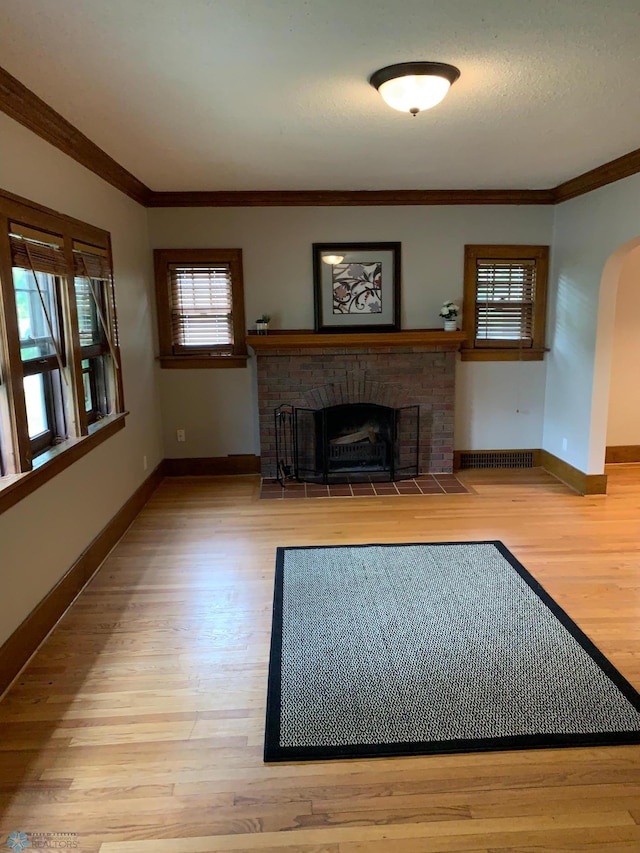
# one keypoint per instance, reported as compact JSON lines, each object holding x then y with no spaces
{"x":382,"y":650}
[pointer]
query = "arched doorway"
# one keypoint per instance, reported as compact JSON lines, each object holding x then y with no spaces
{"x":617,"y":334}
{"x":623,"y":424}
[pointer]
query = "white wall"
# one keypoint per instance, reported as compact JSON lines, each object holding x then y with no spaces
{"x":592,"y":236}
{"x":498,"y":404}
{"x":73,"y":507}
{"x":623,"y":426}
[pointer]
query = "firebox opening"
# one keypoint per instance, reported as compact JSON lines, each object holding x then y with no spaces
{"x":356,"y":438}
{"x":353,"y":442}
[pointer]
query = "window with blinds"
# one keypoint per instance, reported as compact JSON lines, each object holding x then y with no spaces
{"x":97,"y":328}
{"x":504,"y":302}
{"x":36,"y":250}
{"x":92,"y":280}
{"x":59,"y":359}
{"x":37,"y":259}
{"x":200,"y":306}
{"x":38,"y":268}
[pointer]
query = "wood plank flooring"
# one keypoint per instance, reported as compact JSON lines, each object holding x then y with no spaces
{"x":139,"y":723}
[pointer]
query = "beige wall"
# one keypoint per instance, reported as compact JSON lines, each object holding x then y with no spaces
{"x":498,"y":405}
{"x":593,"y":234}
{"x":623,"y":426}
{"x":44,"y":534}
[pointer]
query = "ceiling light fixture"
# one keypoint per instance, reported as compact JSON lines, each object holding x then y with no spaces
{"x":414,"y":86}
{"x":333,"y":259}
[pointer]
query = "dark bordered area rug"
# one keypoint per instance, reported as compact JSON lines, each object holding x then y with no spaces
{"x":382,"y":650}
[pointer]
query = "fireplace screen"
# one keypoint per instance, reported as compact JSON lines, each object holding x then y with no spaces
{"x":351,"y":442}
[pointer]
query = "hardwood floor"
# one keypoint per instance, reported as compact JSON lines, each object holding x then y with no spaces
{"x":139,"y":723}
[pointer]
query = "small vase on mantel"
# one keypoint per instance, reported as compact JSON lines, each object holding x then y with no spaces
{"x":449,"y":313}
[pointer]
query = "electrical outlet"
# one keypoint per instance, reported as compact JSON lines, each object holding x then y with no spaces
{"x":181,"y":435}
{"x":565,"y":443}
{"x":144,"y":463}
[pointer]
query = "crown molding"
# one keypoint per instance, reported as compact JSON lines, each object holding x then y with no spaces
{"x":608,"y":173}
{"x":345,"y":198}
{"x":28,"y":109}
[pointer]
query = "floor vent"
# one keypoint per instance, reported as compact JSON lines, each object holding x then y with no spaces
{"x":496,"y":459}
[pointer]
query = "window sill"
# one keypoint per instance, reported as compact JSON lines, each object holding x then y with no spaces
{"x":487,"y":354}
{"x":199,"y":362}
{"x":15,"y":487}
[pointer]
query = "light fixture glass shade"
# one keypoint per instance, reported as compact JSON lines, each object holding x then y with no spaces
{"x":414,"y":86}
{"x":333,"y":259}
{"x":412,"y":94}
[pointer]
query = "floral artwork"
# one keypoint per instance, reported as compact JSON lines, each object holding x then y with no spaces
{"x":357,"y":288}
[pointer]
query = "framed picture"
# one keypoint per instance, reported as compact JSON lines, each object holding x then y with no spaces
{"x":356,"y":287}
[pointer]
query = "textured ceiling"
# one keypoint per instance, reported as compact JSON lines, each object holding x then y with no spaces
{"x":273,"y":94}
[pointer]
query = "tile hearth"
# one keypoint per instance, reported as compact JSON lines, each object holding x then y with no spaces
{"x":425,"y":484}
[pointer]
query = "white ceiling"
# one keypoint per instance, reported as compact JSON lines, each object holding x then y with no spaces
{"x":273,"y":94}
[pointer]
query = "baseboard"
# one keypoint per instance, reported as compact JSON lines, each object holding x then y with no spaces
{"x":242,"y":463}
{"x":584,"y":484}
{"x":25,"y":640}
{"x":620,"y":453}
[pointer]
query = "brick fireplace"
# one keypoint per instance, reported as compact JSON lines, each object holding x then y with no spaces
{"x":396,"y":369}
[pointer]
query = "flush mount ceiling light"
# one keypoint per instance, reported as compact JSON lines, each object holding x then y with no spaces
{"x":414,"y":86}
{"x":333,"y":259}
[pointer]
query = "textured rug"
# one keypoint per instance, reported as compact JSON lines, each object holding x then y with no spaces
{"x":381,"y":650}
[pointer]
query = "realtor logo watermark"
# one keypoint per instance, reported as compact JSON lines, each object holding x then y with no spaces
{"x":42,"y":841}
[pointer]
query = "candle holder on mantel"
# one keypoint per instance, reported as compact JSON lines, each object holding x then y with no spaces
{"x":262,"y":324}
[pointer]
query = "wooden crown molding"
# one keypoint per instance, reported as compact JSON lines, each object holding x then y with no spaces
{"x":608,"y":173}
{"x":346,"y":198}
{"x":24,"y":106}
{"x":28,"y":109}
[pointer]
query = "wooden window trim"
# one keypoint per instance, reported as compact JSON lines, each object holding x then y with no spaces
{"x":199,"y":360}
{"x":22,"y":474}
{"x":512,"y":352}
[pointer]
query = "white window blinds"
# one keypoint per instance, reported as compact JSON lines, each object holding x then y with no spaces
{"x":201,"y":306}
{"x":505,"y":301}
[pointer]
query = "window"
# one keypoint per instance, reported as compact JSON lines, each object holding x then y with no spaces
{"x":59,"y":357}
{"x":200,"y":307}
{"x":96,"y":330}
{"x":37,"y":264}
{"x":505,"y":302}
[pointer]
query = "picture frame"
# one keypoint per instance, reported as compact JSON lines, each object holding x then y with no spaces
{"x":356,"y":287}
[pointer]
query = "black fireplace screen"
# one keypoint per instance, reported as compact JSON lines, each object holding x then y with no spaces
{"x":347,"y":443}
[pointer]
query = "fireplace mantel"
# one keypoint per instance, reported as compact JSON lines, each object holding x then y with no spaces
{"x":294,"y":339}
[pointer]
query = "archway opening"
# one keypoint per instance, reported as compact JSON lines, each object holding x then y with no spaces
{"x":617,"y":336}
